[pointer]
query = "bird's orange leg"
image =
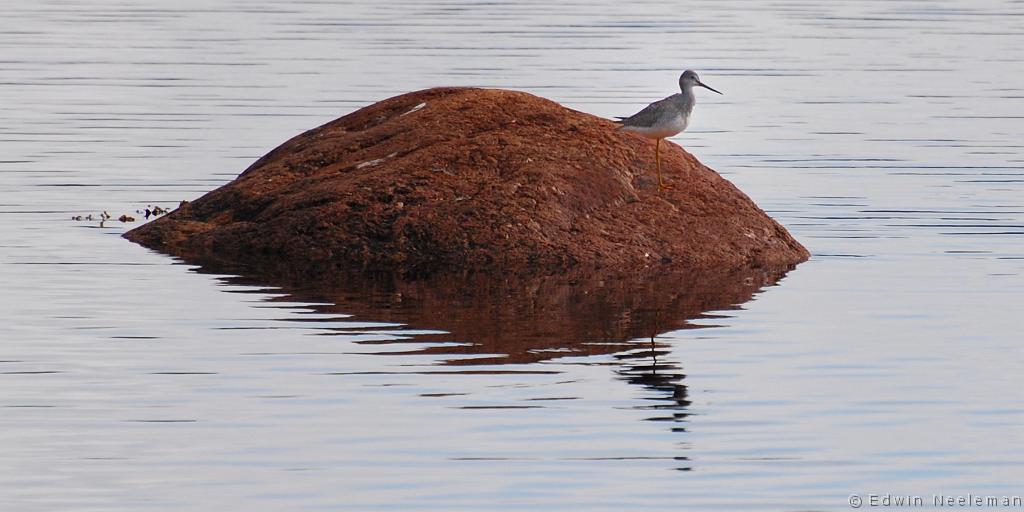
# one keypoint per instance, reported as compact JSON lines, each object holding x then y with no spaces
{"x":657,"y":158}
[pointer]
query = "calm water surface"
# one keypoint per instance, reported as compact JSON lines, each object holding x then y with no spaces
{"x":885,"y":135}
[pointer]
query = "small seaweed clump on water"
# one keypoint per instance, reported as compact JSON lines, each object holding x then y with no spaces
{"x":103,"y":217}
{"x":153,"y":211}
{"x":150,"y":211}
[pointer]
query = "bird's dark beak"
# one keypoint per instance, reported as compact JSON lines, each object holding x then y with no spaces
{"x":706,"y":87}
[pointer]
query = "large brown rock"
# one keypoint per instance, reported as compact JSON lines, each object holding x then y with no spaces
{"x":482,"y":179}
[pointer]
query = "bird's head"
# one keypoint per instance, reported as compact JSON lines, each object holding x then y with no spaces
{"x":690,"y":79}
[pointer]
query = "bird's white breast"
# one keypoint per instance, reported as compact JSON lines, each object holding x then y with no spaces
{"x":664,"y":129}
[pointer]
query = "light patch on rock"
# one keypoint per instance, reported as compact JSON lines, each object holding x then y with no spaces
{"x":414,"y":109}
{"x":375,"y":161}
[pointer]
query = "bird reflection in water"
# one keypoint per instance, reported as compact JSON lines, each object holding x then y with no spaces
{"x":650,"y":367}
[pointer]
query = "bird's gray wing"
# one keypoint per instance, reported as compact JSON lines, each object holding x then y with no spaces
{"x":650,"y":114}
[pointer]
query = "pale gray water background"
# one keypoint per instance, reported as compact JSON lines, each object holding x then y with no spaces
{"x":886,"y":135}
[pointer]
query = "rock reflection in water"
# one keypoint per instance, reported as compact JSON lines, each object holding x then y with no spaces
{"x":524,"y":319}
